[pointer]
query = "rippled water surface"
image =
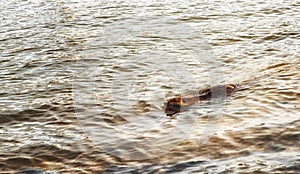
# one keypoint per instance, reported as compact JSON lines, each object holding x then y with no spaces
{"x":83,"y":85}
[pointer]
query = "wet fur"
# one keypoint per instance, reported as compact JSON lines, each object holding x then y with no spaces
{"x":179,"y":104}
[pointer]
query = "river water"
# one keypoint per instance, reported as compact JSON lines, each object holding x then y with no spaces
{"x":83,"y":84}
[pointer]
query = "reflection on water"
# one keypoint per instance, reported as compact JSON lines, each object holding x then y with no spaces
{"x":114,"y":63}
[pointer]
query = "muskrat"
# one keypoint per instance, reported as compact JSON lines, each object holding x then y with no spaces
{"x":179,"y":104}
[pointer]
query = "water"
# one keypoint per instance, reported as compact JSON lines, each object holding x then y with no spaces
{"x":83,"y":84}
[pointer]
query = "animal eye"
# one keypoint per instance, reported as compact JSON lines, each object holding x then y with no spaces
{"x":183,"y":101}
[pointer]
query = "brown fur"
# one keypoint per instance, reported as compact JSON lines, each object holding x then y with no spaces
{"x":179,"y":104}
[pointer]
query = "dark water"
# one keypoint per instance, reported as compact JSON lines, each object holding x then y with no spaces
{"x":83,"y":83}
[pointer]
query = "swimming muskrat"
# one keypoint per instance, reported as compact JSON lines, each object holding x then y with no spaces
{"x":179,"y":104}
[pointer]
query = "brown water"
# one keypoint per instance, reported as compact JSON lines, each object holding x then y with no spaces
{"x":83,"y":84}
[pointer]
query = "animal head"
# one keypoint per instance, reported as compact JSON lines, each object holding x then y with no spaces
{"x":172,"y":106}
{"x":178,"y":104}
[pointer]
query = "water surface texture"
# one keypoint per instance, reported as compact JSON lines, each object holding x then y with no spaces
{"x":82,"y":86}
